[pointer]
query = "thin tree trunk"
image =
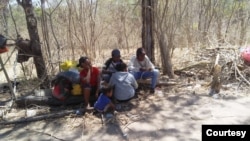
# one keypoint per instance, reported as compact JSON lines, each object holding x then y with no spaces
{"x":147,"y":28}
{"x":230,"y":20}
{"x":165,"y":56}
{"x":243,"y":25}
{"x":5,"y":16}
{"x":35,"y":42}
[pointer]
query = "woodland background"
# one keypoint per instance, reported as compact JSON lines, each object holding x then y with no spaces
{"x":185,"y":37}
{"x":69,"y":29}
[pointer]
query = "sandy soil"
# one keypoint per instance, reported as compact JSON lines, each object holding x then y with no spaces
{"x":173,"y":113}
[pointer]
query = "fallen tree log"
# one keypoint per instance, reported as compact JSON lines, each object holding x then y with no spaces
{"x":159,"y":83}
{"x":200,"y":65}
{"x":40,"y":117}
{"x":47,"y":100}
{"x":200,"y":69}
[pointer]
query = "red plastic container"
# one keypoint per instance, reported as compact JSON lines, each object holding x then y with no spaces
{"x":245,"y":55}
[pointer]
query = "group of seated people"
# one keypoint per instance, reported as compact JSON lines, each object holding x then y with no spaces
{"x":120,"y":80}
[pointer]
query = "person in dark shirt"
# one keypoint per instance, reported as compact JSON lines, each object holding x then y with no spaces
{"x":110,"y":65}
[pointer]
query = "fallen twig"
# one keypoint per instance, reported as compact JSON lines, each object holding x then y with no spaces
{"x":242,"y":76}
{"x":46,"y":134}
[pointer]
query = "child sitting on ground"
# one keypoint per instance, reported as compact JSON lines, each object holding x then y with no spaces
{"x":104,"y":103}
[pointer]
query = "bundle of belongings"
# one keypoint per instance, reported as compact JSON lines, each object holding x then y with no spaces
{"x":3,"y":42}
{"x":245,"y":55}
{"x":67,"y":82}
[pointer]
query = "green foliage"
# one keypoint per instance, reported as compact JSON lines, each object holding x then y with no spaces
{"x":38,"y":11}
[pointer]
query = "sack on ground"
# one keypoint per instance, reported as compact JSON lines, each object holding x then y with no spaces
{"x":76,"y":89}
{"x":66,"y":65}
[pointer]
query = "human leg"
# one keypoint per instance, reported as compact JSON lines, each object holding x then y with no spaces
{"x":155,"y":77}
{"x":93,"y":97}
{"x":154,"y":74}
{"x":109,"y":108}
{"x":86,"y":95}
{"x":137,"y":75}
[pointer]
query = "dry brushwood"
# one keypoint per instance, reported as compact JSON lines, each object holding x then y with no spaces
{"x":186,"y":71}
{"x":241,"y":75}
{"x":201,"y":65}
{"x":230,"y":66}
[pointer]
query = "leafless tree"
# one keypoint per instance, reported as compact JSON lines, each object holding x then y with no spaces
{"x":147,"y":27}
{"x":169,"y":16}
{"x":74,"y":28}
{"x":35,"y":41}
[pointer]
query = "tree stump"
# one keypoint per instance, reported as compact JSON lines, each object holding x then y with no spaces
{"x":215,"y":85}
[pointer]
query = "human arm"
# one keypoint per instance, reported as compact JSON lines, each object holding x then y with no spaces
{"x":105,"y":68}
{"x":109,"y":107}
{"x":106,"y":71}
{"x":133,"y":65}
{"x":83,"y":78}
{"x":149,"y":65}
{"x":112,"y":81}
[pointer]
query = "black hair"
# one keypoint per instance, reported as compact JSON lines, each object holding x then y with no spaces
{"x":121,"y":67}
{"x":106,"y":89}
{"x":140,"y":51}
{"x":82,"y":60}
{"x":115,"y":52}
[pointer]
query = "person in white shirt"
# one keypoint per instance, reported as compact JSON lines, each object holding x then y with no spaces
{"x":141,"y":67}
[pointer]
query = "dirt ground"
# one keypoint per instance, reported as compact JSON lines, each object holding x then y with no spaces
{"x":173,"y":113}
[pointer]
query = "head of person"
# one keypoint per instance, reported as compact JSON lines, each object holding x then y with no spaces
{"x":116,"y":55}
{"x":107,"y":90}
{"x":121,"y":67}
{"x":84,"y":63}
{"x":140,"y":54}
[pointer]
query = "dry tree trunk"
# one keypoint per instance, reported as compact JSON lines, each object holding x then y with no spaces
{"x":53,"y":33}
{"x":4,"y":11}
{"x":162,"y":39}
{"x":215,"y":85}
{"x":169,"y":15}
{"x":45,"y":29}
{"x":35,"y":42}
{"x":165,"y":56}
{"x":207,"y":14}
{"x":147,"y":28}
{"x":230,"y":20}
